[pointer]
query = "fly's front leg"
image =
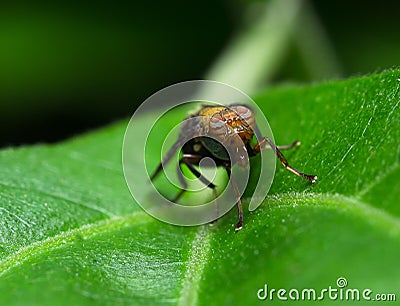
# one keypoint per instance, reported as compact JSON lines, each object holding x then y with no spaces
{"x":239,"y":225}
{"x":261,"y":146}
{"x":189,"y":160}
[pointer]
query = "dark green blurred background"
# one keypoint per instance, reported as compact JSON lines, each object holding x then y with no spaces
{"x":69,"y":67}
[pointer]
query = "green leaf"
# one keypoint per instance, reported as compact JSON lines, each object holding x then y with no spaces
{"x":70,"y":232}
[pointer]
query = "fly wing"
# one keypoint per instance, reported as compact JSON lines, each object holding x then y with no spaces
{"x":191,"y":128}
{"x":188,"y":130}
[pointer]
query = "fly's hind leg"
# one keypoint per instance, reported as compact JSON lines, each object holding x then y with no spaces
{"x":182,"y":180}
{"x":295,"y":143}
{"x":262,"y":143}
{"x":177,"y":145}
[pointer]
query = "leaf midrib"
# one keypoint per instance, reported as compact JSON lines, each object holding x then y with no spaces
{"x":197,"y":260}
{"x":201,"y":245}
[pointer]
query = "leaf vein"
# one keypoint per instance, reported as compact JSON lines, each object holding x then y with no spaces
{"x":58,"y":197}
{"x":68,"y":237}
{"x":371,"y":214}
{"x":198,"y":257}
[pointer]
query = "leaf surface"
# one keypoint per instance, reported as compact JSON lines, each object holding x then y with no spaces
{"x":70,"y":231}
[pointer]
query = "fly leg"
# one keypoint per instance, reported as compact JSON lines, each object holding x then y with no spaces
{"x":295,"y":143}
{"x":189,"y":160}
{"x":261,"y":146}
{"x":239,"y":225}
{"x":182,"y":181}
{"x":177,"y":145}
